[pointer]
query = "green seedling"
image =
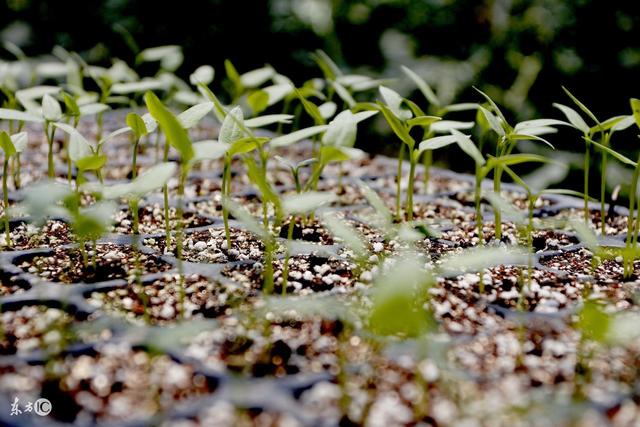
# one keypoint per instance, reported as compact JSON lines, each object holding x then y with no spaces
{"x":295,"y":169}
{"x":400,"y":300}
{"x":11,"y":146}
{"x":177,"y":136}
{"x":577,"y":122}
{"x":401,"y":121}
{"x":508,"y":136}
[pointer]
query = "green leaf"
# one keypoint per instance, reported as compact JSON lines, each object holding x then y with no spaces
{"x":342,"y":130}
{"x":192,"y":116}
{"x":623,"y":124}
{"x":343,"y":93}
{"x":20,"y":116}
{"x":258,"y":100}
{"x":257,"y":77}
{"x":398,"y":300}
{"x":137,"y":125}
{"x":7,"y":145}
{"x":393,"y":101}
{"x":20,"y":141}
{"x":233,"y":76}
{"x":635,"y":108}
{"x":607,"y":124}
{"x":537,"y":123}
{"x":51,"y":110}
{"x":267,"y":120}
{"x":612,"y":152}
{"x":91,"y":162}
{"x":581,"y":105}
{"x":446,"y":126}
{"x":93,"y":108}
{"x":436,"y":142}
{"x":298,"y":135}
{"x":463,"y":106}
{"x":515,"y":159}
{"x":397,"y":126}
{"x":148,"y":181}
{"x":466,"y":145}
{"x":329,"y":68}
{"x":42,"y":198}
{"x":364,"y":115}
{"x":176,"y":135}
{"x":493,"y":121}
{"x":424,"y":121}
{"x":231,"y":130}
{"x":574,"y":118}
{"x":93,"y":221}
{"x":327,"y":109}
{"x":203,"y":74}
{"x":143,"y":85}
{"x":479,"y":258}
{"x":71,"y":105}
{"x":278,"y":92}
{"x":593,"y":321}
{"x":524,"y":136}
{"x":330,"y":153}
{"x":208,"y":150}
{"x":79,"y":147}
{"x":426,"y":90}
{"x":307,"y":202}
{"x":494,"y":106}
{"x":242,"y":146}
{"x":311,"y":108}
{"x":349,"y":235}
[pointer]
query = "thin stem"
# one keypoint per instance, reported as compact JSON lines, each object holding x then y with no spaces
{"x":603,"y":183}
{"x":586,"y":183}
{"x":16,"y":172}
{"x":497,"y":175}
{"x":285,"y":269}
{"x":398,"y":184}
{"x":165,"y":191}
{"x":51,"y":167}
{"x":226,"y":177}
{"x":5,"y":199}
{"x":477,"y":197}
{"x":267,"y":286}
{"x":179,"y":227}
{"x":630,"y":219}
{"x":412,"y":171}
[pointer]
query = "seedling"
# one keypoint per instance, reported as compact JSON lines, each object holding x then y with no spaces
{"x":508,"y":136}
{"x":11,"y":146}
{"x":401,"y":121}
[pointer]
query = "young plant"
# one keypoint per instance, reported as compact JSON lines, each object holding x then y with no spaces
{"x":52,"y":113}
{"x":400,"y":300}
{"x":508,"y":136}
{"x":11,"y":146}
{"x":190,"y":154}
{"x":577,"y":122}
{"x":88,"y":224}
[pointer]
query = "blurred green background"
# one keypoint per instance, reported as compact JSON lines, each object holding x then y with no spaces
{"x":518,"y":51}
